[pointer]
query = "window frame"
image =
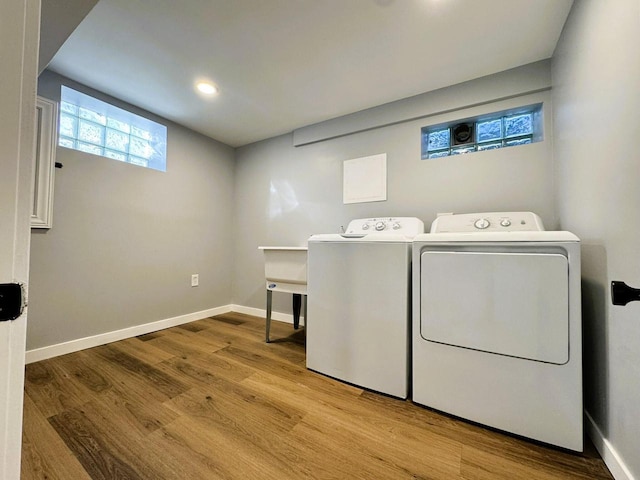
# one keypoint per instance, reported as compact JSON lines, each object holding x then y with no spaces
{"x":475,"y":146}
{"x":79,"y":110}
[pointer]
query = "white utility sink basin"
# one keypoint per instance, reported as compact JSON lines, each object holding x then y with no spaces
{"x":285,"y":269}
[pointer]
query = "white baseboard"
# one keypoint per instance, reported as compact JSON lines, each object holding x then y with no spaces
{"x":611,"y":458}
{"x":259,"y":312}
{"x":58,"y":349}
{"x":51,"y":351}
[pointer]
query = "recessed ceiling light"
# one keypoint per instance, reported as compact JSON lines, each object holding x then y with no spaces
{"x":207,"y":88}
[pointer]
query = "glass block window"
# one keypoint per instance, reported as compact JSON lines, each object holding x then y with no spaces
{"x":489,"y":132}
{"x":93,"y":126}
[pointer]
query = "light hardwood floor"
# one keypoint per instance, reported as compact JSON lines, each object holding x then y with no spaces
{"x":211,"y":400}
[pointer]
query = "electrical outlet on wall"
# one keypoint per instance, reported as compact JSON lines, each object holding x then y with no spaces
{"x":195,"y":280}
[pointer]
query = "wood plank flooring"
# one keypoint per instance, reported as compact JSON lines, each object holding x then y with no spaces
{"x":211,"y":400}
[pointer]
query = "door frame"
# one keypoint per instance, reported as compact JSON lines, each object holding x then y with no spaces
{"x":19,"y":39}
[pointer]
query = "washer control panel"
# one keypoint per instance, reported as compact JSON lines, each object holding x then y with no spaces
{"x":408,"y":226}
{"x":487,"y":222}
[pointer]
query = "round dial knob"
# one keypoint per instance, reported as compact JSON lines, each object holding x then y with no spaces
{"x":365,"y":226}
{"x":380,"y":226}
{"x":505,"y":222}
{"x":396,"y":226}
{"x":482,"y":223}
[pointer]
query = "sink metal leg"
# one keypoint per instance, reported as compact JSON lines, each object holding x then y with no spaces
{"x":269,"y":295}
{"x":304,"y":312}
{"x":299,"y":303}
{"x":297,"y":300}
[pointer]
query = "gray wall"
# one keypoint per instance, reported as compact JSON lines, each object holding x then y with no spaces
{"x":125,"y":239}
{"x":596,"y":79}
{"x":286,"y":193}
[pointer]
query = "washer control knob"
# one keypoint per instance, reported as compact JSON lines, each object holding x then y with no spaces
{"x":380,"y":226}
{"x":482,"y":223}
{"x":396,"y":226}
{"x":505,"y":222}
{"x":365,"y":226}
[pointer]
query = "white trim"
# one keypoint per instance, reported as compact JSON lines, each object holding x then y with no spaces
{"x":51,"y":351}
{"x":71,"y":346}
{"x":46,"y":139}
{"x":259,"y":312}
{"x":609,"y":454}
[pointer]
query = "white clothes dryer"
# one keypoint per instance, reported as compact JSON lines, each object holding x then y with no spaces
{"x":359,"y":303}
{"x":497,"y":335}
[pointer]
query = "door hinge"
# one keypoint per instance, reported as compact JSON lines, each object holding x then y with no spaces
{"x":11,"y":301}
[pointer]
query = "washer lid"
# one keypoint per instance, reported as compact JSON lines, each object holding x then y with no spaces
{"x":355,"y":238}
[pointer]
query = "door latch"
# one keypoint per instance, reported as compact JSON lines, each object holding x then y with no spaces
{"x":11,"y":304}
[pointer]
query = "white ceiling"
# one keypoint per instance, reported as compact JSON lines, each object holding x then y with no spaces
{"x":59,"y":18}
{"x":284,"y":64}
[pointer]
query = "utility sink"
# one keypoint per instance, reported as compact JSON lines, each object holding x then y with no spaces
{"x":285,"y":269}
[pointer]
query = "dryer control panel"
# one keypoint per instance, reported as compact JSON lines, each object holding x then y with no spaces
{"x":487,"y":222}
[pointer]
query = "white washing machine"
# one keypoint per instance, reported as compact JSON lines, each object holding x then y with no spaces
{"x":359,"y":303}
{"x":497,"y":336}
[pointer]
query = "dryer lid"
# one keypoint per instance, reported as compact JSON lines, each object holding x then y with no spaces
{"x":492,"y":237}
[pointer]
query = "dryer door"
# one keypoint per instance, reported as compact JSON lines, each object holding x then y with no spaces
{"x":514,"y":304}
